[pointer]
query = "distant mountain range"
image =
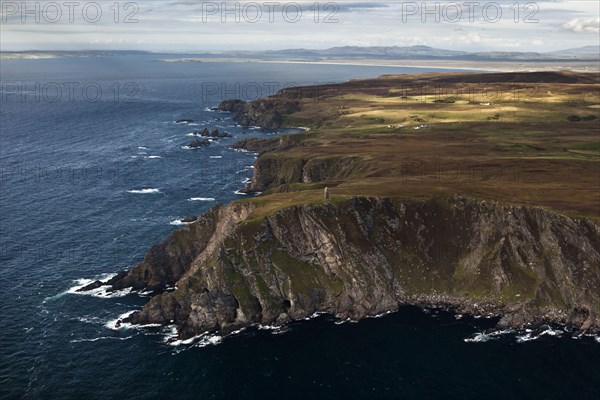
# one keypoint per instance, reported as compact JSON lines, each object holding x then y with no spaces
{"x":586,"y":53}
{"x":585,"y":50}
{"x":422,"y":53}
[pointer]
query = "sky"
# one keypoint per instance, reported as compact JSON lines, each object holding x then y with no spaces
{"x":198,"y":26}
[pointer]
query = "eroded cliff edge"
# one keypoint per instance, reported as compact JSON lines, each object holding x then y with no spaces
{"x":385,"y":239}
{"x":364,"y":256}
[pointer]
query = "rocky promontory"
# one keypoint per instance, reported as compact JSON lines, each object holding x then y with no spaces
{"x":365,"y":256}
{"x":265,"y":113}
{"x":487,"y":217}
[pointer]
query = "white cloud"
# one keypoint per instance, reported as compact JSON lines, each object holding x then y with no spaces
{"x":178,"y":25}
{"x":580,"y":25}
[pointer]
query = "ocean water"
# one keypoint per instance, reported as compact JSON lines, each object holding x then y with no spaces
{"x":94,"y":170}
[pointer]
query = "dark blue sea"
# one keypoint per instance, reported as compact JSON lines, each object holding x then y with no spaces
{"x":94,"y":170}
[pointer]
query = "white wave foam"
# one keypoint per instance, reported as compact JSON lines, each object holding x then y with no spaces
{"x":240,"y":193}
{"x":102,"y":292}
{"x":237,"y":332}
{"x":530,"y":336}
{"x":179,"y":222}
{"x":268,"y":327}
{"x":201,"y":199}
{"x":144,"y":191}
{"x":216,"y":156}
{"x":153,"y":157}
{"x":142,"y":148}
{"x":526,"y":338}
{"x":89,"y":320}
{"x":114,"y":324}
{"x":383,"y":314}
{"x":210,"y":340}
{"x":106,"y":294}
{"x":346,"y":321}
{"x":483,"y":337}
{"x":56,"y":296}
{"x":82,"y":282}
{"x":314,"y":315}
{"x":100,"y":338}
{"x":274,"y":329}
{"x":171,"y":333}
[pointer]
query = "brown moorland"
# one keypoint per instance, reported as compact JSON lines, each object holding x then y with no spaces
{"x":517,"y":138}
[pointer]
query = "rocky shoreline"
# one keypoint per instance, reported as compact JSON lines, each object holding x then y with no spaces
{"x":265,"y":113}
{"x":368,"y":256}
{"x":363,"y":256}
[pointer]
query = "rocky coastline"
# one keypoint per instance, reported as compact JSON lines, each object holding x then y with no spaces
{"x":366,"y":256}
{"x":362,"y":256}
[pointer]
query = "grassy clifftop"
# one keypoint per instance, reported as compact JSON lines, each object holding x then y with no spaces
{"x":519,"y":138}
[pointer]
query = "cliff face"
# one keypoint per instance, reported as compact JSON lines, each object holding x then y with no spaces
{"x":265,"y":261}
{"x":270,"y":170}
{"x":167,"y":261}
{"x":365,"y":256}
{"x":268,"y":113}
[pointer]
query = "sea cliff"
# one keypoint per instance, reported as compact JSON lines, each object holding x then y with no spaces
{"x":472,"y":246}
{"x":365,"y":256}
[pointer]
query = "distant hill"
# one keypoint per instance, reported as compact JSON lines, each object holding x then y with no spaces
{"x":420,"y":52}
{"x":585,"y":50}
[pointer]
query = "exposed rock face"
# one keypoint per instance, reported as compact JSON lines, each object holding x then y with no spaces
{"x":198,"y":143}
{"x":365,"y":256}
{"x":214,"y":133}
{"x":267,"y":113}
{"x":271,"y":170}
{"x":189,"y":219}
{"x":167,"y":261}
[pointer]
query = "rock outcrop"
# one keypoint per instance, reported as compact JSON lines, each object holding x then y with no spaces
{"x":267,"y":113}
{"x":214,"y":133}
{"x":196,"y":143}
{"x":166,"y":262}
{"x":364,"y":256}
